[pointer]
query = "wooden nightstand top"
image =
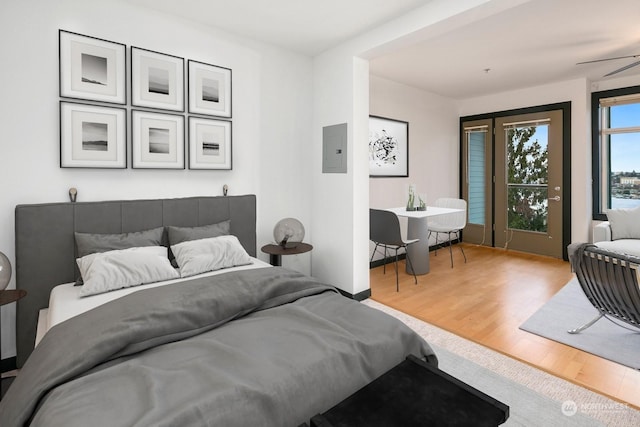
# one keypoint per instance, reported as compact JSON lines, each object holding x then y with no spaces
{"x":11,"y":295}
{"x":279,"y":250}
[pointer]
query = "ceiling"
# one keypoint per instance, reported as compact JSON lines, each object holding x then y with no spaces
{"x":304,"y":26}
{"x":536,"y":42}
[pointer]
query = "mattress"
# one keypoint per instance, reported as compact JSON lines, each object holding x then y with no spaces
{"x":65,"y":302}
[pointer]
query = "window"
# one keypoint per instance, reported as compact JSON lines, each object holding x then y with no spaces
{"x":615,"y":116}
{"x":527,"y":175}
{"x":476,"y":140}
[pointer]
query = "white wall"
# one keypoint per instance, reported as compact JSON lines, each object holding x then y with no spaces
{"x":434,"y":145}
{"x":341,"y":201}
{"x":271,"y":117}
{"x":333,"y":201}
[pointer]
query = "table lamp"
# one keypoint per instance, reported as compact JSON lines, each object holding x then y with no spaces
{"x":288,"y":232}
{"x":5,"y":271}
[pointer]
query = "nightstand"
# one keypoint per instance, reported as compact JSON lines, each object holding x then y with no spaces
{"x":276,"y":251}
{"x":7,"y":297}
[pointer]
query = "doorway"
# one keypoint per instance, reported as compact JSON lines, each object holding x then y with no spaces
{"x":516,"y":179}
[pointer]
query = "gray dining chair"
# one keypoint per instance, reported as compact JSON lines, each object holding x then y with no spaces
{"x":449,"y":224}
{"x":384,"y":231}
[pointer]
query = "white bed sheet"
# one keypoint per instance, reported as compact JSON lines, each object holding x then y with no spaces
{"x":65,"y":301}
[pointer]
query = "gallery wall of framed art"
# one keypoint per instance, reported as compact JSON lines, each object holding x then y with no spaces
{"x":176,"y":109}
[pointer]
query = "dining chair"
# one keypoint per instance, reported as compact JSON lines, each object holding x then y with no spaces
{"x":384,"y":230}
{"x":449,"y":224}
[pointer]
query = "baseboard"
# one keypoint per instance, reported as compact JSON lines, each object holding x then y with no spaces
{"x":360,"y":296}
{"x":8,"y":364}
{"x":389,"y":260}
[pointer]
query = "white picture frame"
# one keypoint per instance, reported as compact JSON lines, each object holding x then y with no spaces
{"x":209,"y":89}
{"x":157,"y":140}
{"x":92,"y":69}
{"x":210,"y":144}
{"x":92,"y":136}
{"x":157,"y":80}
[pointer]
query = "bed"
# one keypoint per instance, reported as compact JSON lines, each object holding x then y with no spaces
{"x":247,"y":344}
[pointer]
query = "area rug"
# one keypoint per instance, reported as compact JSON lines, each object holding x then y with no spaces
{"x":535,"y":398}
{"x":569,"y":309}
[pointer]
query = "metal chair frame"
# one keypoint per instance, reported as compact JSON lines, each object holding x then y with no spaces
{"x":457,"y":234}
{"x":610,"y":282}
{"x":446,"y":202}
{"x":384,"y":230}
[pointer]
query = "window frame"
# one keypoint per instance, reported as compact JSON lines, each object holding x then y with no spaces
{"x":596,"y":146}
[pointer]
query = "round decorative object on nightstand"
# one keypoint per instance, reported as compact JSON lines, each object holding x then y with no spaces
{"x":5,"y":271}
{"x":288,"y":232}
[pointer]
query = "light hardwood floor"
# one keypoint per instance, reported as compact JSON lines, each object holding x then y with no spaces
{"x":488,"y":298}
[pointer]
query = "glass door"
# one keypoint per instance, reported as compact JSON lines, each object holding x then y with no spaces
{"x":528,"y":183}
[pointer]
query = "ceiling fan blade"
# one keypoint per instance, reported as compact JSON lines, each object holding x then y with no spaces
{"x":619,"y":70}
{"x":608,"y":59}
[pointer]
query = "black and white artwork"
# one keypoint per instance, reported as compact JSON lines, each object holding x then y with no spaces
{"x":92,"y":136}
{"x":95,"y":136}
{"x":388,"y":147}
{"x":209,"y":89}
{"x":157,"y":140}
{"x":92,"y":68}
{"x":157,"y":80}
{"x":209,"y":143}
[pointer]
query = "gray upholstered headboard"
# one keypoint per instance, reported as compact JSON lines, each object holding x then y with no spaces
{"x":45,"y":244}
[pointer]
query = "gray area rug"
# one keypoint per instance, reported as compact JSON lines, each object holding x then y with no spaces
{"x":569,"y":309}
{"x":535,"y":398}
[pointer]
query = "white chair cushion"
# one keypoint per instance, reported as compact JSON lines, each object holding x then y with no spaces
{"x":624,"y":246}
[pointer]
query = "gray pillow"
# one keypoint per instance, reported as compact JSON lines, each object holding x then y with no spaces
{"x":89,"y":243}
{"x":625,"y":223}
{"x":184,"y":234}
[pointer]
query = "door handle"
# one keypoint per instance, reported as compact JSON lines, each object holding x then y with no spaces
{"x":555,"y":199}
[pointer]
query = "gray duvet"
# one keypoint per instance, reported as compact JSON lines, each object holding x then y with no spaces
{"x":263,"y":347}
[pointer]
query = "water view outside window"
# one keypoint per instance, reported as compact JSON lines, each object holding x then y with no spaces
{"x":527,"y":172}
{"x":623,"y":137}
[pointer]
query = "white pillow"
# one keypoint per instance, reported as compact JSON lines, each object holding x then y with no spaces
{"x":202,"y":255}
{"x":625,"y":223}
{"x":108,"y":271}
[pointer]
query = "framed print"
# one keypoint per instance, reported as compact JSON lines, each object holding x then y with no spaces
{"x":209,"y":89}
{"x":92,"y":69}
{"x":92,"y":136}
{"x":388,"y":147}
{"x":157,"y":80}
{"x":209,"y":143}
{"x":157,"y":140}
